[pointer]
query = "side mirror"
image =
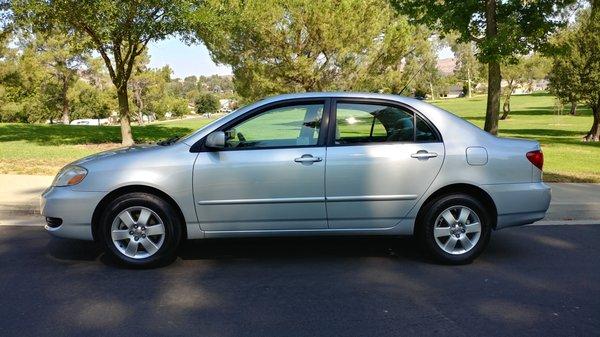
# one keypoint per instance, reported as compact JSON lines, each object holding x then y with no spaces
{"x":215,"y":140}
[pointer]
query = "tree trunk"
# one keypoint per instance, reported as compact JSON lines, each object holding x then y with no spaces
{"x":573,"y":108}
{"x":140,"y":104}
{"x":431,"y":88}
{"x":506,"y":105}
{"x":594,"y":134}
{"x":469,"y":80}
{"x":126,"y":136}
{"x":505,"y":109}
{"x":65,"y":102}
{"x":494,"y":77}
{"x":493,"y":98}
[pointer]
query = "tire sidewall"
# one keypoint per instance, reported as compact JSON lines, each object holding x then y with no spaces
{"x":164,"y":210}
{"x":427,"y":224}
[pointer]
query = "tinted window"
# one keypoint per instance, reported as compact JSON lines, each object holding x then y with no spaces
{"x":296,"y":125}
{"x":424,"y":132}
{"x":368,"y":123}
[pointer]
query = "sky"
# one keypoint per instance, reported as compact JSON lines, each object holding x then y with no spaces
{"x":195,"y":60}
{"x":184,"y":60}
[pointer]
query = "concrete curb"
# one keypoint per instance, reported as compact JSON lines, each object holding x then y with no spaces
{"x":565,"y":222}
{"x":19,"y":209}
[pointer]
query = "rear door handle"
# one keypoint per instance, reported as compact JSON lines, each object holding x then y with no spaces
{"x":422,"y":154}
{"x":308,"y":159}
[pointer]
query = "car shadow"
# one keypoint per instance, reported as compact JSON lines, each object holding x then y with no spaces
{"x":277,"y":248}
{"x":405,"y":248}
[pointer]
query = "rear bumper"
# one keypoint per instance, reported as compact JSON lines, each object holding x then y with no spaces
{"x":73,"y":208}
{"x":519,"y":204}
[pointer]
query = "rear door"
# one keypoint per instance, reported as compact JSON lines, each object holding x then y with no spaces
{"x":381,"y":158}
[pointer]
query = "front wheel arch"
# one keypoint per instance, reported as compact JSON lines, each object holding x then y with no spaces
{"x":131,"y":189}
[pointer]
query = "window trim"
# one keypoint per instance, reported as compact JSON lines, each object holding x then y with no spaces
{"x":376,"y":101}
{"x":323,"y":131}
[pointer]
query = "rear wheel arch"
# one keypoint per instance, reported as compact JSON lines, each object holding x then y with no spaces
{"x":132,"y":189}
{"x":468,"y":189}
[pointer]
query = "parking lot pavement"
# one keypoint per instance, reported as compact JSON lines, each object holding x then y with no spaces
{"x":536,"y":280}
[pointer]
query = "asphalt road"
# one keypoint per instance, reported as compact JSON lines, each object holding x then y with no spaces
{"x":536,"y":280}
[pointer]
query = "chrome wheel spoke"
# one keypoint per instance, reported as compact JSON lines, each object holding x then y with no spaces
{"x":127,"y":219}
{"x":132,"y":248}
{"x":120,"y":234}
{"x":150,"y":246}
{"x":447,"y":215}
{"x":143,"y":218}
{"x":440,"y":232}
{"x":467,"y":223}
{"x":466,"y":243}
{"x":157,"y":229}
{"x":128,"y":240}
{"x":450,"y":244}
{"x":474,"y":227}
{"x":464,"y":215}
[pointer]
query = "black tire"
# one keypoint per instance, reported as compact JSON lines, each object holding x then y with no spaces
{"x":170,"y":219}
{"x":427,"y":222}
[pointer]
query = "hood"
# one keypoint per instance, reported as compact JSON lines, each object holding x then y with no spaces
{"x":116,"y":153}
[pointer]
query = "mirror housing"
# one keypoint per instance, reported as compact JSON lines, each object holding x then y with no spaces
{"x":215,"y":140}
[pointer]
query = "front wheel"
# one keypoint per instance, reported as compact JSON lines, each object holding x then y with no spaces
{"x":140,"y":230}
{"x":454,"y":229}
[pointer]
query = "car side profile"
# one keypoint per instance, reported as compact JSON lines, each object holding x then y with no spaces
{"x":305,"y":164}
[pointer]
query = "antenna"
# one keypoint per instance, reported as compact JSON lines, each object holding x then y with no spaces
{"x":412,"y":78}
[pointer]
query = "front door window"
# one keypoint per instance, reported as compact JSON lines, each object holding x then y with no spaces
{"x":289,"y":126}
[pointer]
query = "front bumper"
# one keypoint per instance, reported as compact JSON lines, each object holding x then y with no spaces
{"x":519,"y":204}
{"x":74,"y":208}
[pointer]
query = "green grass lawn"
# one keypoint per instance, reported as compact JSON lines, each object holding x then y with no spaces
{"x":567,"y":158}
{"x":43,"y":149}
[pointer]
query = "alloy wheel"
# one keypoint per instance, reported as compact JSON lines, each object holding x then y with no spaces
{"x":457,"y":230}
{"x":138,"y":232}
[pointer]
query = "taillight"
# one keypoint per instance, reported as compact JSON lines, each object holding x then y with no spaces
{"x":536,"y":158}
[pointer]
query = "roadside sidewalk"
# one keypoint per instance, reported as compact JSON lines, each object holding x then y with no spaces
{"x":571,"y":202}
{"x":21,"y":193}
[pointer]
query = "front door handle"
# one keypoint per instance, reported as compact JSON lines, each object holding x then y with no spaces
{"x":422,"y":154}
{"x":308,"y":159}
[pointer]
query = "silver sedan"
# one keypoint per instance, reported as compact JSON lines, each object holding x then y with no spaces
{"x":305,"y":164}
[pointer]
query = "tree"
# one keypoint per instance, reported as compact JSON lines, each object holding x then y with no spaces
{"x":118,"y":30}
{"x":277,"y":46}
{"x":178,"y":106}
{"x":139,"y":82}
{"x":29,"y":92}
{"x":64,"y":56}
{"x":421,"y":74}
{"x":467,"y":67}
{"x":576,"y":68}
{"x":522,"y":73}
{"x":89,"y":102}
{"x":207,"y":103}
{"x":500,"y":29}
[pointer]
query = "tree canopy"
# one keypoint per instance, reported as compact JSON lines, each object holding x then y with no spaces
{"x":118,"y":30}
{"x":207,"y":103}
{"x":575,"y":71}
{"x":501,"y":30}
{"x":278,"y":46}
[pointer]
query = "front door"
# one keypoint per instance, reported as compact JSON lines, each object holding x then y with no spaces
{"x":378,"y":164}
{"x":269,"y":176}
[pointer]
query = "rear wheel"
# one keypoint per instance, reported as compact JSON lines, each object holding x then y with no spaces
{"x":455,"y":228}
{"x":141,"y":230}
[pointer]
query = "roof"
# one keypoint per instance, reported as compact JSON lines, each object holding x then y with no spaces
{"x":398,"y":98}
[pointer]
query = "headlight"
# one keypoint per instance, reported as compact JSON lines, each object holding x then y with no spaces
{"x":69,"y":175}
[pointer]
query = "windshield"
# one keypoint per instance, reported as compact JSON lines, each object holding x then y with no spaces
{"x":190,"y":134}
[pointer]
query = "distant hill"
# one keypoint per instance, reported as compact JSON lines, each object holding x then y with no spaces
{"x":446,"y":66}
